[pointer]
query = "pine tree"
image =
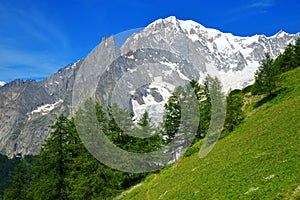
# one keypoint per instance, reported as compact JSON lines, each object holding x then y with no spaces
{"x":150,"y":140}
{"x":234,"y":112}
{"x":19,"y":183}
{"x":297,"y":53}
{"x":52,"y":163}
{"x":265,"y":77}
{"x":202,"y":106}
{"x":285,"y":61}
{"x":215,"y":109}
{"x":89,"y":178}
{"x":6,"y":167}
{"x":205,"y":108}
{"x":172,"y":116}
{"x":142,"y":137}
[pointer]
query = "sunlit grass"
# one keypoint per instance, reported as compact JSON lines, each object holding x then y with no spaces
{"x":260,"y":159}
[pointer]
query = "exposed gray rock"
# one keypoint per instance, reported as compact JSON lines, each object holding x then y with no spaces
{"x":141,"y":74}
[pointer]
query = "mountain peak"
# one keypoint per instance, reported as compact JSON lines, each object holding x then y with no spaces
{"x":163,"y":23}
{"x":171,"y":19}
{"x":280,"y":33}
{"x":188,"y":27}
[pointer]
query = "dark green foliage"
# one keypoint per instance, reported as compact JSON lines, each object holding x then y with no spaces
{"x":201,"y":113}
{"x":234,"y":112}
{"x":264,"y":100}
{"x":19,"y":183}
{"x":183,"y":101}
{"x":172,"y":116}
{"x":143,"y":137}
{"x":190,"y":151}
{"x":267,"y":74}
{"x":247,"y":89}
{"x":289,"y":59}
{"x":66,"y":170}
{"x":212,"y":108}
{"x":286,"y":61}
{"x":265,"y":77}
{"x":88,"y":178}
{"x":205,"y":108}
{"x":52,"y":164}
{"x":6,"y":167}
{"x":297,"y":53}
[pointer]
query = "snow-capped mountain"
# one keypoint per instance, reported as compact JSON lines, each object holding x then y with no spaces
{"x":140,"y":75}
{"x":2,"y":83}
{"x":234,"y":58}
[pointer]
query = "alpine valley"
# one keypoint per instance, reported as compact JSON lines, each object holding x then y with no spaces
{"x":149,"y":65}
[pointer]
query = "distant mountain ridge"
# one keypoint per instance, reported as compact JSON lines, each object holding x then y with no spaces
{"x":166,"y":51}
{"x":233,"y":56}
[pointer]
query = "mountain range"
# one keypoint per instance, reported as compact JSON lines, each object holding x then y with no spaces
{"x":140,"y":75}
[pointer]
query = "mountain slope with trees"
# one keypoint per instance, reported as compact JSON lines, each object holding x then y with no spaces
{"x":258,"y":160}
{"x":257,"y":156}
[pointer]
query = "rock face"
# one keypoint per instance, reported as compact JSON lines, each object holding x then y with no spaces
{"x":140,"y":75}
{"x":28,"y":108}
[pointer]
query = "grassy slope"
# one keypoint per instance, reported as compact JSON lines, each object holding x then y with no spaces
{"x":267,"y":143}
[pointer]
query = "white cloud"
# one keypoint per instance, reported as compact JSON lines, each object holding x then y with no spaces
{"x":260,"y":4}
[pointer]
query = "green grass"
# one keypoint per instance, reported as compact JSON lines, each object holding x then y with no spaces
{"x":266,"y":143}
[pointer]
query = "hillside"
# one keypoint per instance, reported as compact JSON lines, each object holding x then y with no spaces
{"x":258,"y":160}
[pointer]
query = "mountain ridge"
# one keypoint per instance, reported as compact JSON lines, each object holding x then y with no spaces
{"x":178,"y":50}
{"x":230,"y":54}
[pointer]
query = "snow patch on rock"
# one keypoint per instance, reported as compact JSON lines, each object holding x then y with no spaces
{"x":45,"y":109}
{"x":2,"y":83}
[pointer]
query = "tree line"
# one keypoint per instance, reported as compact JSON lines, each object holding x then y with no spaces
{"x":64,"y":169}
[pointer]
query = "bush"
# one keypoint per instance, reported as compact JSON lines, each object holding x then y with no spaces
{"x":190,"y":151}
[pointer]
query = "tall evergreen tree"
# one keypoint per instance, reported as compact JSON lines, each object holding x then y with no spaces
{"x":205,"y":108}
{"x":286,"y":61}
{"x":234,"y":112}
{"x":139,"y":137}
{"x":6,"y":167}
{"x":19,"y":183}
{"x":171,"y":118}
{"x":202,"y":94}
{"x":52,"y":163}
{"x":89,"y":178}
{"x":265,"y":77}
{"x":297,"y":53}
{"x":215,"y":109}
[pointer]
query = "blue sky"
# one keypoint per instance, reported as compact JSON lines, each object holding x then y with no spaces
{"x":39,"y":37}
